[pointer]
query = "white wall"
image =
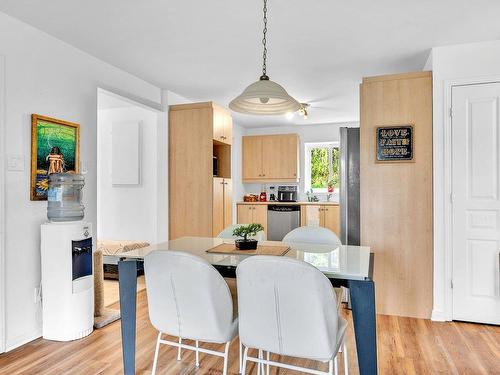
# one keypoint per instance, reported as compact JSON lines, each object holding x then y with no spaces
{"x":2,"y":203}
{"x":465,"y":63}
{"x":48,"y":77}
{"x":307,"y":133}
{"x":127,"y":212}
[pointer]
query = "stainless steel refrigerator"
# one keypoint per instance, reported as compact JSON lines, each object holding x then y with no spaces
{"x":349,"y":187}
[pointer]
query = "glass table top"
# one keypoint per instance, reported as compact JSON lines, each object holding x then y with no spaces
{"x":342,"y":262}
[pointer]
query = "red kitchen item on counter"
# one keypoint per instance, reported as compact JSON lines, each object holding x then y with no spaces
{"x":263,"y":197}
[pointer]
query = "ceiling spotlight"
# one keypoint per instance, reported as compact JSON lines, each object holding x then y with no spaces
{"x":289,"y":115}
{"x":303,"y":110}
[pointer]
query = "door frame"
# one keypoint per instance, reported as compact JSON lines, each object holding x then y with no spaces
{"x":2,"y":204}
{"x":447,"y":190}
{"x":161,"y":111}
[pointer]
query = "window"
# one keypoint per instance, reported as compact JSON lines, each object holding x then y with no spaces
{"x":322,"y":166}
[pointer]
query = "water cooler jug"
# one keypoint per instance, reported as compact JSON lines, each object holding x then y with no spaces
{"x":67,"y":280}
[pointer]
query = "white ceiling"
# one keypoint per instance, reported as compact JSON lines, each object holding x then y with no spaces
{"x":210,"y":50}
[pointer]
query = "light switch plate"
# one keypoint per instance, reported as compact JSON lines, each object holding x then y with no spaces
{"x":15,"y":162}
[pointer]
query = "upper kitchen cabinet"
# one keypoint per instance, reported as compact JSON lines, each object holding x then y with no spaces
{"x":271,"y":158}
{"x":252,"y":158}
{"x":222,"y":124}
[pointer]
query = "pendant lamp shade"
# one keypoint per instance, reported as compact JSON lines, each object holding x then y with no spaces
{"x":264,"y":97}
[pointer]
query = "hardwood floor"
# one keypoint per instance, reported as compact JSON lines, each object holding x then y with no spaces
{"x":406,"y":346}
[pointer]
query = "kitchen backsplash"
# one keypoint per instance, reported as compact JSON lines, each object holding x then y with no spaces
{"x":258,"y":188}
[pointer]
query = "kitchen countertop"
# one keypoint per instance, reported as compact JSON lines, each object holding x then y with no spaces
{"x":295,"y":203}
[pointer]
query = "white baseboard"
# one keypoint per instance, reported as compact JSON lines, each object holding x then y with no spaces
{"x":438,"y":316}
{"x":23,"y":339}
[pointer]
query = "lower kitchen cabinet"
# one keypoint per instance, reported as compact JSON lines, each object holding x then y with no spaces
{"x":327,"y":216}
{"x":331,"y":218}
{"x":253,"y":213}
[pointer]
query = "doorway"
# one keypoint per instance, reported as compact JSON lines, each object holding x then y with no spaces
{"x":476,"y":202}
{"x":128,"y":181}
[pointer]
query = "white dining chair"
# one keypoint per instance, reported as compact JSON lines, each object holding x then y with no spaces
{"x":227,"y":233}
{"x":318,"y":236}
{"x":288,"y":307}
{"x":315,"y":235}
{"x":188,"y":298}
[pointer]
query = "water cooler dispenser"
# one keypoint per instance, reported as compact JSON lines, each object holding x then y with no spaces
{"x":67,"y":278}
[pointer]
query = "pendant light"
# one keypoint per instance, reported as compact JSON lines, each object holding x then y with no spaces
{"x":264,"y":97}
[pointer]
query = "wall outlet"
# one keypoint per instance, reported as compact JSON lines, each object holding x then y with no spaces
{"x":15,"y":163}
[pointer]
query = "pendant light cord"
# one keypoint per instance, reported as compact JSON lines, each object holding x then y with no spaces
{"x":264,"y":44}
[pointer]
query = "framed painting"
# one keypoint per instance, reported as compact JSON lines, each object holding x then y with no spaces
{"x":55,"y":148}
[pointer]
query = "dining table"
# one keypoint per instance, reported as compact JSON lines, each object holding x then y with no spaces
{"x":344,"y":265}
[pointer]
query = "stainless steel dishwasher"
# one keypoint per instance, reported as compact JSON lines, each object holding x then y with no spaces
{"x":281,"y":219}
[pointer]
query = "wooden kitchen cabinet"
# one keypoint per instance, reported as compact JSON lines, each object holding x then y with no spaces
{"x":245,"y":214}
{"x":199,"y":204}
{"x":223,"y":125}
{"x":228,"y":202}
{"x":327,"y":216}
{"x":218,"y":206}
{"x":252,"y":213}
{"x":331,"y":218}
{"x":252,"y":158}
{"x":260,"y":215}
{"x":282,"y":154}
{"x":222,"y":205}
{"x":269,"y":158}
{"x":311,"y":215}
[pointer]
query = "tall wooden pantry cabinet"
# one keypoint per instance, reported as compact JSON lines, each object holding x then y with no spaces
{"x":200,"y":203}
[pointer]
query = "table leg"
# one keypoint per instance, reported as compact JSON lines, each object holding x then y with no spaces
{"x":127,"y":277}
{"x":363,"y":314}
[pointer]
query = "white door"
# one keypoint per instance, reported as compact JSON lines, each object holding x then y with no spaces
{"x":476,"y":202}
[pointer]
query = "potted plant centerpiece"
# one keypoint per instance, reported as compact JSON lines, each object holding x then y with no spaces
{"x":244,"y":231}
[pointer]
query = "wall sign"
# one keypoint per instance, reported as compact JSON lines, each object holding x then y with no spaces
{"x":395,"y":143}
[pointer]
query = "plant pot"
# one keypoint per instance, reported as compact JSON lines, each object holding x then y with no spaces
{"x":246,"y":244}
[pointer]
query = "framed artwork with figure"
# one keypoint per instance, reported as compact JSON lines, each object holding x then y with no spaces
{"x":55,"y":148}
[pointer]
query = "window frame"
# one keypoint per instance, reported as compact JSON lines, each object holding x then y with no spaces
{"x":307,"y":164}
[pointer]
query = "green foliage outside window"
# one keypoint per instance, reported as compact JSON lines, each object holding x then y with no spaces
{"x":324,"y":167}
